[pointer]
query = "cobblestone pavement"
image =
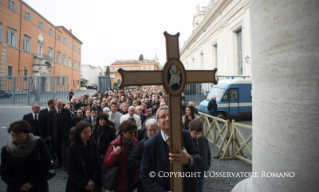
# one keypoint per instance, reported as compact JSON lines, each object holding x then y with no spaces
{"x":11,"y":113}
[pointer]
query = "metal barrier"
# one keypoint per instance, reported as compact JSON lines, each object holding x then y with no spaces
{"x":33,"y":89}
{"x":197,"y":92}
{"x":227,"y":141}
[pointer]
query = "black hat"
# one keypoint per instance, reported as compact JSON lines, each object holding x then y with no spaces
{"x":84,"y":104}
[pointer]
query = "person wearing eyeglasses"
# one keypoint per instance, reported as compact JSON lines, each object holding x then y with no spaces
{"x":82,"y":162}
{"x":135,"y":158}
{"x":118,"y":152}
{"x":157,"y":158}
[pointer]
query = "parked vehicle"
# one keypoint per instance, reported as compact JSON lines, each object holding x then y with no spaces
{"x":5,"y":94}
{"x":233,"y":98}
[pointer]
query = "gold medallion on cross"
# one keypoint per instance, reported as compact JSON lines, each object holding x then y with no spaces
{"x":173,"y":77}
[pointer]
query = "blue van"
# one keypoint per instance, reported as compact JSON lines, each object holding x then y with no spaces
{"x":233,"y":98}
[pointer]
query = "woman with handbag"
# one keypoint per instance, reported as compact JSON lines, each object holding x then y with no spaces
{"x":117,"y":154}
{"x":25,"y":161}
{"x":82,"y":161}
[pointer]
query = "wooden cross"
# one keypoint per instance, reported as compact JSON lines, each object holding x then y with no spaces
{"x":174,"y":78}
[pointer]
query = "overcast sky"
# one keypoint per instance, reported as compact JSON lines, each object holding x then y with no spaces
{"x":121,"y":29}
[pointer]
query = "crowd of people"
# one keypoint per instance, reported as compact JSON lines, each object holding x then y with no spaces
{"x":127,"y":128}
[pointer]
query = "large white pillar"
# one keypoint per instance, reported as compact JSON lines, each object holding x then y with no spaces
{"x":285,"y":71}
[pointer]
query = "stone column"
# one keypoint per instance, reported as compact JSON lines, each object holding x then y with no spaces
{"x":285,"y":70}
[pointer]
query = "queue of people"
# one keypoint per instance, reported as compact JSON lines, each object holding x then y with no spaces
{"x":102,"y":131}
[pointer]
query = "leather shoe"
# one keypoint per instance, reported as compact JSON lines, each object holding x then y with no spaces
{"x":64,"y":168}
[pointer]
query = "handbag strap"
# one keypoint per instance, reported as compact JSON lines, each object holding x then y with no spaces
{"x":83,"y":165}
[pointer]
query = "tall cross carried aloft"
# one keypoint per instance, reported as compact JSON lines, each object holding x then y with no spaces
{"x":173,"y":77}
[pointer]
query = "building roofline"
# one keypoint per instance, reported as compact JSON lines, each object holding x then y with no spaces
{"x":70,"y":33}
{"x":36,"y":12}
{"x":56,"y":27}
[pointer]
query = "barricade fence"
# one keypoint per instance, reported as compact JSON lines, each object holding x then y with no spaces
{"x":229,"y":139}
{"x":33,"y":89}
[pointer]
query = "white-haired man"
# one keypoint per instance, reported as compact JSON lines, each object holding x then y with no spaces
{"x":130,"y":113}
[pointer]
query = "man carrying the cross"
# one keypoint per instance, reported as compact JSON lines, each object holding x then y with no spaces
{"x":155,"y":167}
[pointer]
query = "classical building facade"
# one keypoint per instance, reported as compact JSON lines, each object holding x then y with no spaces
{"x":31,"y":45}
{"x":130,"y":65}
{"x":89,"y":75}
{"x":220,"y":38}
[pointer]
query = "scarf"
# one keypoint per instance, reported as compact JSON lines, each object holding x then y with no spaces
{"x":22,"y":150}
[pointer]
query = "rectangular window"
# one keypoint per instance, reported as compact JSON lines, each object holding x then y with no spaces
{"x":51,"y":32}
{"x":136,"y":68}
{"x":130,"y":68}
{"x":149,"y":68}
{"x":74,"y":47}
{"x":113,"y":68}
{"x":64,"y":60}
{"x":233,"y":93}
{"x":59,"y":37}
{"x":0,"y":33}
{"x":28,"y":16}
{"x":50,"y":54}
{"x":69,"y":62}
{"x":79,"y":50}
{"x":74,"y":64}
{"x":70,"y":44}
{"x":12,"y":6}
{"x":64,"y":40}
{"x":215,"y":59}
{"x":9,"y":72}
{"x":79,"y":66}
{"x":40,"y":51}
{"x":25,"y":74}
{"x":27,"y":44}
{"x":41,"y":25}
{"x":239,"y":52}
{"x":58,"y":57}
{"x":62,"y":80}
{"x":12,"y":38}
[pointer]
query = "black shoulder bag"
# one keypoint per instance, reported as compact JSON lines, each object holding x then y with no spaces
{"x":109,"y":177}
{"x":51,"y":172}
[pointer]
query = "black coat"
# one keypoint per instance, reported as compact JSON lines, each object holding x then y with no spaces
{"x":75,"y":120}
{"x":77,"y":180}
{"x":204,"y":150}
{"x":134,"y":160}
{"x":38,"y":127}
{"x":59,"y":124}
{"x":104,"y":136}
{"x":16,"y":171}
{"x":212,"y":107}
{"x":155,"y":158}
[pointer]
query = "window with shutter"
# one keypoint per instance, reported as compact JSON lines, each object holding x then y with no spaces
{"x":27,"y":44}
{"x":25,"y":74}
{"x":10,"y":4}
{"x":0,"y":33}
{"x":9,"y":42}
{"x":9,"y":72}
